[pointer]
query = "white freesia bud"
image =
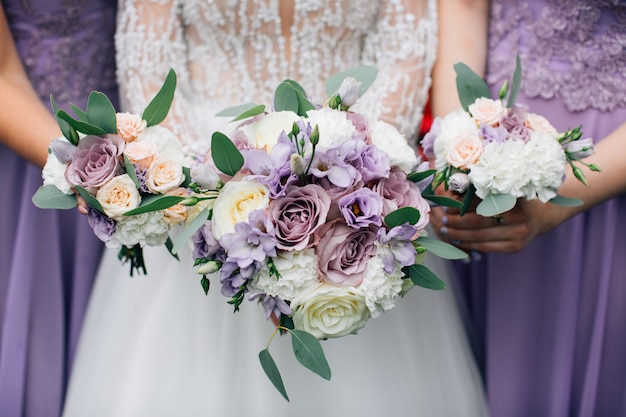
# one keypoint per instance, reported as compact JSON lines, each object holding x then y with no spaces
{"x":297,"y":164}
{"x":580,"y":149}
{"x":349,"y":91}
{"x":208,"y":268}
{"x":459,"y":182}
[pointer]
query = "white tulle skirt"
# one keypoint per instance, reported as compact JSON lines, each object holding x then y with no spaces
{"x":157,"y":346}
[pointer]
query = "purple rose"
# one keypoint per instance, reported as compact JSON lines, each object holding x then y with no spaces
{"x":343,"y":253}
{"x":96,"y":160}
{"x":514,"y":124}
{"x":362,"y":208}
{"x":103,"y":227}
{"x":298,"y":215}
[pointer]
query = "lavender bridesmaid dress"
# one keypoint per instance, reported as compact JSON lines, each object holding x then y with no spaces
{"x":552,"y":317}
{"x":48,"y":259}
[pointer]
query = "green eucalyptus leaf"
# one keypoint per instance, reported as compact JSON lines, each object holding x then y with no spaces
{"x":185,"y":236}
{"x":50,"y":197}
{"x":494,"y":204}
{"x":559,"y":200}
{"x":255,"y":111}
{"x":308,"y":350}
{"x":91,"y":200}
{"x":272,"y":372}
{"x":155,"y":203}
{"x":130,"y":170}
{"x":286,"y":98}
{"x":235,"y":111}
{"x":402,"y":216}
{"x":440,"y":248}
{"x":83,"y":127}
{"x":80,"y":113}
{"x":226,"y":156}
{"x":101,"y":113}
{"x":424,"y":277}
{"x":365,"y":74}
{"x":157,"y":109}
{"x":469,"y":85}
{"x":517,"y":82}
{"x":419,"y":176}
{"x":63,"y":125}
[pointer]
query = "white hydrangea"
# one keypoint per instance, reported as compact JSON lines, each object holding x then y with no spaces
{"x":388,"y":139}
{"x":146,"y":229}
{"x":333,"y":126}
{"x":298,"y":270}
{"x":381,"y":289}
{"x":455,"y":124}
{"x":500,"y":170}
{"x":54,"y":174}
{"x":167,"y":144}
{"x":545,"y":161}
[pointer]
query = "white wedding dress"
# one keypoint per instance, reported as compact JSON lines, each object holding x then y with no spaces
{"x":155,"y":345}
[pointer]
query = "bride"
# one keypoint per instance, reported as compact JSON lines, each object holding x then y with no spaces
{"x":155,"y":345}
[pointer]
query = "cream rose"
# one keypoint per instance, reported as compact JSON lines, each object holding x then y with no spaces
{"x":487,"y":111}
{"x":118,"y":196}
{"x":164,"y":175}
{"x":327,"y":311}
{"x":235,"y":202}
{"x":265,"y":132}
{"x":141,"y":153}
{"x":177,"y":213}
{"x":464,"y":150}
{"x":540,"y":124}
{"x":129,"y":126}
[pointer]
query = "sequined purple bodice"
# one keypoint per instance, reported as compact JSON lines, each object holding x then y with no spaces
{"x":65,"y":43}
{"x":574,"y":50}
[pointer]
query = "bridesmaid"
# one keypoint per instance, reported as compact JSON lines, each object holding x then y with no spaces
{"x":550,"y":296}
{"x":48,"y":259}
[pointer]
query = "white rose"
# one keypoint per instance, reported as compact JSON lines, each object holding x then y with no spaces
{"x":143,"y":229}
{"x":141,"y":152}
{"x":264,"y":133}
{"x":394,"y":144}
{"x":54,"y":174}
{"x":333,"y":125}
{"x":326,"y":311}
{"x":487,"y":111}
{"x":167,"y":144}
{"x":454,"y":124}
{"x":298,"y":270}
{"x":381,"y":289}
{"x":118,"y":196}
{"x":235,"y":202}
{"x":164,"y":175}
{"x":129,"y":126}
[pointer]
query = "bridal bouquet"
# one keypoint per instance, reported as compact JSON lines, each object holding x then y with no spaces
{"x":127,"y":168}
{"x":500,"y":151}
{"x":318,"y":216}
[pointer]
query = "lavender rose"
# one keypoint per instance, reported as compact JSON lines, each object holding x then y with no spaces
{"x":96,"y":161}
{"x":298,"y":215}
{"x":343,"y":253}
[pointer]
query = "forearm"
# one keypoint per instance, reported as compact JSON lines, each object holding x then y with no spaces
{"x":463,"y":26}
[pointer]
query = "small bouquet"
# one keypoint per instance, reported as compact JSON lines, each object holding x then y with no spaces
{"x":500,"y":151}
{"x":319,"y":216}
{"x":127,"y":168}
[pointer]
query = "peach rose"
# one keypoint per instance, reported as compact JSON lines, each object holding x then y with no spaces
{"x":141,"y":153}
{"x":464,"y":150}
{"x":540,"y":124}
{"x":129,"y":126}
{"x":487,"y":111}
{"x":164,"y":175}
{"x":118,"y":196}
{"x":177,"y":213}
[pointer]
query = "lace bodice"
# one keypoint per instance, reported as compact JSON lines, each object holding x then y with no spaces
{"x":574,"y":50}
{"x":229,"y":52}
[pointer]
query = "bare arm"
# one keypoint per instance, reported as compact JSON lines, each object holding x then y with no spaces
{"x":26,"y":125}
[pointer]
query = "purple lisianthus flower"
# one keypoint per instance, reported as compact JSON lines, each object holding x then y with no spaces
{"x":235,"y":278}
{"x":332,"y":165}
{"x":96,"y":160}
{"x":428,"y":141}
{"x":273,"y":305}
{"x":204,"y":243}
{"x":142,"y":179}
{"x":492,"y":134}
{"x":362,"y":208}
{"x":343,"y":253}
{"x":251,"y":242}
{"x":103,"y":227}
{"x":298,"y":215}
{"x":274,"y":171}
{"x":395,"y":245}
{"x":513,"y":122}
{"x":373,"y":164}
{"x":62,"y":149}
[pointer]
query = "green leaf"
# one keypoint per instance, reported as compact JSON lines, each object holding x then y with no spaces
{"x":467,"y":200}
{"x":440,"y":248}
{"x":271,"y":370}
{"x":401,"y":216}
{"x":365,"y":74}
{"x":424,"y":277}
{"x":83,"y":127}
{"x":157,"y":109}
{"x":183,"y":238}
{"x":130,"y":170}
{"x":169,"y":245}
{"x":296,"y":86}
{"x":155,"y":203}
{"x":559,"y":200}
{"x":469,"y":85}
{"x":101,"y":113}
{"x":517,"y":82}
{"x":63,"y":125}
{"x":235,"y":111}
{"x":286,"y":98}
{"x":254,"y":111}
{"x":495,"y":204}
{"x":418,"y":176}
{"x":80,"y":113}
{"x":309,"y":353}
{"x":91,"y":200}
{"x":226,"y":156}
{"x":304,"y":105}
{"x":443,"y":201}
{"x":50,"y":197}
{"x":206,"y":284}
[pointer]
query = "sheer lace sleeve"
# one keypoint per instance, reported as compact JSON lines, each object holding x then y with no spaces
{"x":402,"y":46}
{"x":149,"y":41}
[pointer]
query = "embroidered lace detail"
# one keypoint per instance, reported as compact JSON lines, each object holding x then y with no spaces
{"x":232,"y":52}
{"x":66,"y":44}
{"x":574,"y":50}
